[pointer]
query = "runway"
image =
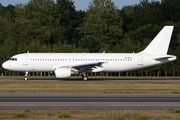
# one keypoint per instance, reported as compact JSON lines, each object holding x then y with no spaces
{"x":89,"y":100}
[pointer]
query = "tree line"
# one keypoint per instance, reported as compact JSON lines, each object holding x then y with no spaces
{"x":48,"y":26}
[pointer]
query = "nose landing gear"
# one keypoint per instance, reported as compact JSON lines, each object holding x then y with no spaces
{"x":26,"y":76}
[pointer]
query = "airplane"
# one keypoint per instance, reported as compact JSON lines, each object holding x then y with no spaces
{"x":67,"y":64}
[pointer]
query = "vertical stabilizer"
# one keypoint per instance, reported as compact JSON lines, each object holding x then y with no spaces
{"x":160,"y":43}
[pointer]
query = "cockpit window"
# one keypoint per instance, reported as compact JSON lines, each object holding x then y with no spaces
{"x":13,"y":59}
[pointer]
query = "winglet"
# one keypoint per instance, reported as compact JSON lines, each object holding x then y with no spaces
{"x":160,"y":43}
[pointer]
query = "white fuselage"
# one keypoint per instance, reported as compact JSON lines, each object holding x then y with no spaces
{"x":112,"y":62}
{"x":67,"y":64}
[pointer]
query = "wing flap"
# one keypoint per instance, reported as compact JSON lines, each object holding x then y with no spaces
{"x":88,"y":64}
{"x":92,"y":64}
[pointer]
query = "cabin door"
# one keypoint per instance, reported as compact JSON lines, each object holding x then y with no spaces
{"x":25,"y":60}
{"x":140,"y":60}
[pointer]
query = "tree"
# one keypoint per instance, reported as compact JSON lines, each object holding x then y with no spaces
{"x":10,"y":14}
{"x":91,"y":43}
{"x":104,"y":22}
{"x":144,"y":2}
{"x":45,"y":11}
{"x":70,"y":20}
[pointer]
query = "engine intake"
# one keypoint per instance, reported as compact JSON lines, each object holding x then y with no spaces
{"x":65,"y":72}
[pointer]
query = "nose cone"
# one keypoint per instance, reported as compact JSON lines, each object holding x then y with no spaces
{"x":5,"y":65}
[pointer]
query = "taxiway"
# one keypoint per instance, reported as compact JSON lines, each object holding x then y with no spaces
{"x":88,"y":100}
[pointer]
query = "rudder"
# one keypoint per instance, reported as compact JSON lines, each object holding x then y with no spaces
{"x":160,"y":44}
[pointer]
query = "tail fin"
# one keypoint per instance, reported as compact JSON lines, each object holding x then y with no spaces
{"x":160,"y":43}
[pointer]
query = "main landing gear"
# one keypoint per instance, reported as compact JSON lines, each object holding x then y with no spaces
{"x":26,"y":76}
{"x":84,"y":76}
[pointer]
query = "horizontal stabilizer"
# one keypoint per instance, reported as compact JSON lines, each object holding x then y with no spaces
{"x":167,"y":57}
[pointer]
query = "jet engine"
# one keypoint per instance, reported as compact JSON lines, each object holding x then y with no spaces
{"x":65,"y":72}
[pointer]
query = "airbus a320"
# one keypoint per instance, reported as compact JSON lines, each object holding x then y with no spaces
{"x":66,"y":64}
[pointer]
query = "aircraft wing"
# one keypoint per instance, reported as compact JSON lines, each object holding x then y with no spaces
{"x":80,"y":65}
{"x":88,"y":64}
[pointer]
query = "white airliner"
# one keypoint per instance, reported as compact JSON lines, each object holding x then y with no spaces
{"x":66,"y":64}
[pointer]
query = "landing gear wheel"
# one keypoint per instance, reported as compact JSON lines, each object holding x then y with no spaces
{"x":85,"y":78}
{"x":25,"y":78}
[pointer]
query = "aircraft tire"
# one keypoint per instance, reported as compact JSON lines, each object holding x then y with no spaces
{"x":25,"y":78}
{"x":85,"y":78}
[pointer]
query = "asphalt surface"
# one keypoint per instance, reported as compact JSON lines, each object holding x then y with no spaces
{"x":89,"y":100}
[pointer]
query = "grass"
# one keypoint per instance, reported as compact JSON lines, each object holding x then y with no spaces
{"x":176,"y":111}
{"x":175,"y":92}
{"x":71,"y":86}
{"x":27,"y":110}
{"x":19,"y":115}
{"x":90,"y":77}
{"x":65,"y":115}
{"x":50,"y":114}
{"x":91,"y":114}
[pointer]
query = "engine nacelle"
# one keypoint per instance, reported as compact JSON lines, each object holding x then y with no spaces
{"x":62,"y":73}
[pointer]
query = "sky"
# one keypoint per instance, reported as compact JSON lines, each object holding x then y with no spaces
{"x":79,"y":4}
